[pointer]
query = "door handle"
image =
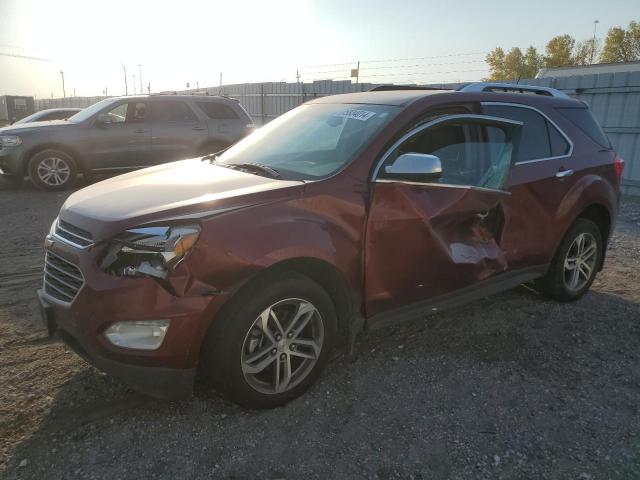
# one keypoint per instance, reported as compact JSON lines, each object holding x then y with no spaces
{"x":564,"y":173}
{"x":140,"y":130}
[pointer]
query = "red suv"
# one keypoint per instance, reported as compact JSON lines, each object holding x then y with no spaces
{"x":346,"y":214}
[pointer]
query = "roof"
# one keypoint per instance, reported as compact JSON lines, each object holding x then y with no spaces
{"x":399,"y":98}
{"x":617,"y":67}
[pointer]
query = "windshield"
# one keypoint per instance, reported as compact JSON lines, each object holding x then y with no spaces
{"x":311,"y":141}
{"x":28,"y":119}
{"x":88,"y":112}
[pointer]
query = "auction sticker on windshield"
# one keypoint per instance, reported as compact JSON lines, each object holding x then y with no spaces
{"x":362,"y":115}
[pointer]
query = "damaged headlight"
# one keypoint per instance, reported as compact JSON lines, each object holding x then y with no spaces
{"x":150,"y":251}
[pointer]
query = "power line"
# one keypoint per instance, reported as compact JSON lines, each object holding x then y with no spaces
{"x":26,"y":57}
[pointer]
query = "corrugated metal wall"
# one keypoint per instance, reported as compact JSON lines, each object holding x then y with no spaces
{"x":614,"y":99}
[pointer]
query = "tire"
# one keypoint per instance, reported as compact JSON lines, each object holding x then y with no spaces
{"x":242,"y":360}
{"x":52,"y":170}
{"x":559,"y":281}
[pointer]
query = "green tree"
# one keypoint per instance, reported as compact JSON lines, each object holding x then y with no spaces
{"x":533,"y":62}
{"x":559,"y":51}
{"x":622,"y":45}
{"x":586,"y":52}
{"x":513,"y":65}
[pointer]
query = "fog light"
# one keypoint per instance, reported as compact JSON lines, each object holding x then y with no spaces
{"x":141,"y":335}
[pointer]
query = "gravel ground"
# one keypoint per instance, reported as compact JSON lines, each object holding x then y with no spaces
{"x":512,"y":386}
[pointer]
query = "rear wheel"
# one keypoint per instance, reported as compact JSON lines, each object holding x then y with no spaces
{"x":52,"y":170}
{"x":576,"y":263}
{"x":272,"y":342}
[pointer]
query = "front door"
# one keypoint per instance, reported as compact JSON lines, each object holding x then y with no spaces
{"x":425,"y":240}
{"x":120,"y":138}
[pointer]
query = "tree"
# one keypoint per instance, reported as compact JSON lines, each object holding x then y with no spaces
{"x":533,"y":62}
{"x":622,"y":45}
{"x":514,"y":64}
{"x":586,"y":52}
{"x":559,"y":51}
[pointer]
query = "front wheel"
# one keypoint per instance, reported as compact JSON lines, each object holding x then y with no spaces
{"x":272,"y":342}
{"x":52,"y":170}
{"x":575,"y":264}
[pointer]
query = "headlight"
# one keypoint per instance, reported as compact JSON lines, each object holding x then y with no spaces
{"x":151,"y":251}
{"x":142,"y":335}
{"x":10,"y":140}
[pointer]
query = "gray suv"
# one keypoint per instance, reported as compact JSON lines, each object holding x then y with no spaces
{"x":121,"y":133}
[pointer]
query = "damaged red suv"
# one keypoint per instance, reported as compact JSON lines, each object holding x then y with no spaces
{"x":346,"y":214}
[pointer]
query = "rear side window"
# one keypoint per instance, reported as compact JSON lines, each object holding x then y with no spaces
{"x":172,"y":112}
{"x":584,"y":120}
{"x":218,"y":111}
{"x":539,"y":139}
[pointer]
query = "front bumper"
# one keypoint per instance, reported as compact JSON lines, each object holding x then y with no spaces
{"x":11,"y":161}
{"x":167,"y":372}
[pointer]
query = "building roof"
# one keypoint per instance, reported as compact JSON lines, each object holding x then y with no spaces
{"x":617,"y":67}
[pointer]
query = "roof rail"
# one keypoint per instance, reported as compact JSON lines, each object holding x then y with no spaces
{"x":512,"y":87}
{"x":388,"y":88}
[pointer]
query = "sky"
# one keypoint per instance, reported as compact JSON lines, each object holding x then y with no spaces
{"x":175,"y":43}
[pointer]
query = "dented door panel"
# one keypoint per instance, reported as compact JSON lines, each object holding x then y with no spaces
{"x":427,"y":240}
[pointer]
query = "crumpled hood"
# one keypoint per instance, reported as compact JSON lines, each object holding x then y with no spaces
{"x":183,"y":188}
{"x":27,"y":127}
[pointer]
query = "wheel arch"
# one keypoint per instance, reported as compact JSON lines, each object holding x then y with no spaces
{"x":52,"y":146}
{"x":329,"y":278}
{"x":600,"y":215}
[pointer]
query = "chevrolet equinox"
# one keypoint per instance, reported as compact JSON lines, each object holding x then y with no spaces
{"x":346,"y":214}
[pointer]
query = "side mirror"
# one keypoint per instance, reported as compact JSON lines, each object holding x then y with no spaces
{"x":417,"y":167}
{"x":103,"y":120}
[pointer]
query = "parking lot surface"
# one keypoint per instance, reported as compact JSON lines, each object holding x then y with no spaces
{"x":511,"y":386}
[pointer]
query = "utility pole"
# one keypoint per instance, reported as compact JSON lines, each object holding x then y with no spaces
{"x":593,"y":46}
{"x":220,"y":87}
{"x":149,"y":88}
{"x":358,"y":74}
{"x":135,"y":92}
{"x":126,"y":86}
{"x":297,"y":76}
{"x":64,"y":94}
{"x":140,"y":70}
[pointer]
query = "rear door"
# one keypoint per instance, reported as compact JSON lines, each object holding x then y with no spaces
{"x":425,"y":240}
{"x":177,"y":132}
{"x":122,"y":139}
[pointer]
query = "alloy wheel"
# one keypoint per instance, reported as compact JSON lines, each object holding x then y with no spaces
{"x":53,"y":171}
{"x":580,"y":262}
{"x":282,"y":346}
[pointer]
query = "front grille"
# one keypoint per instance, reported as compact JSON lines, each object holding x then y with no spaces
{"x":62,"y":279}
{"x":73,"y":234}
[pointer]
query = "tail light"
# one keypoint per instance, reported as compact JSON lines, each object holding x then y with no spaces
{"x":618,"y":166}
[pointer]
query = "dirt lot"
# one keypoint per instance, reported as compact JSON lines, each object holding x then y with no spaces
{"x":513,"y":386}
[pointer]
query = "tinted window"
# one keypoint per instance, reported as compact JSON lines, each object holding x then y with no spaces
{"x":583,"y":119}
{"x":559,"y":144}
{"x":534,"y":141}
{"x":172,"y":112}
{"x":218,"y":111}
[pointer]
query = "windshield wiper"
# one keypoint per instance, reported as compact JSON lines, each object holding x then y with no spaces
{"x":256,"y":168}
